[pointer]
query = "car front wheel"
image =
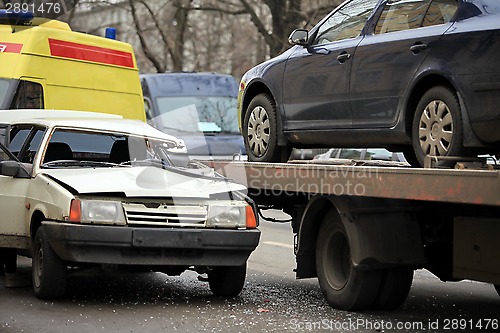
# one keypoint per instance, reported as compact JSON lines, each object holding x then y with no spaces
{"x":437,"y":125}
{"x":260,"y":131}
{"x":227,"y":281}
{"x":48,"y":270}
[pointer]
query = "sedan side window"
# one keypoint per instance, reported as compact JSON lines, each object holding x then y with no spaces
{"x":347,"y":22}
{"x":25,"y":142}
{"x":404,"y":15}
{"x":440,"y":12}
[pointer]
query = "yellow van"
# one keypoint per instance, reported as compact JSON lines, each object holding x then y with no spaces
{"x":46,"y":65}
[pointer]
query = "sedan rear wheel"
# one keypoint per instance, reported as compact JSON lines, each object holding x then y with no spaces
{"x":260,"y":131}
{"x":437,"y":125}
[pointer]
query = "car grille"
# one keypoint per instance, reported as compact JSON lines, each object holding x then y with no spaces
{"x":166,"y":215}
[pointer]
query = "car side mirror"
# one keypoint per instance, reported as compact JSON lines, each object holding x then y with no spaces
{"x":13,"y":169}
{"x":299,"y":37}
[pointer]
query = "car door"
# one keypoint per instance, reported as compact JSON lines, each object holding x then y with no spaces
{"x":13,"y":227}
{"x":316,"y":78}
{"x":387,"y":58}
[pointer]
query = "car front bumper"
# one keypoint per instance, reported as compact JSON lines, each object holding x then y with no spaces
{"x":151,"y":246}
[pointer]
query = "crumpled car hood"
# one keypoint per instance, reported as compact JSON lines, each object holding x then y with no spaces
{"x":144,"y":181}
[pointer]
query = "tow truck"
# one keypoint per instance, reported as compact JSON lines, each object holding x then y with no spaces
{"x":363,"y":229}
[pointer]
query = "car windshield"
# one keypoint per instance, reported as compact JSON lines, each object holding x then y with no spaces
{"x":71,"y":148}
{"x":199,"y":114}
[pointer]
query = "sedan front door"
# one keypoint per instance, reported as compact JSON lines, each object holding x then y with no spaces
{"x":13,"y":190}
{"x":316,"y":78}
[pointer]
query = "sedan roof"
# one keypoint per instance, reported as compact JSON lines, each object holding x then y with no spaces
{"x":83,"y":120}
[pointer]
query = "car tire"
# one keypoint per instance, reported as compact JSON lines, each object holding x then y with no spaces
{"x":260,"y":131}
{"x":410,"y":156}
{"x":343,"y":286}
{"x":48,"y":270}
{"x":437,"y":126}
{"x":394,"y":288}
{"x":227,"y":281}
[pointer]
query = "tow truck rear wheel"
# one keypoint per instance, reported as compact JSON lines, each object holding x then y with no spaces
{"x":395,"y":286}
{"x":260,"y":131}
{"x":227,"y":281}
{"x":344,"y":286}
{"x":48,"y":270}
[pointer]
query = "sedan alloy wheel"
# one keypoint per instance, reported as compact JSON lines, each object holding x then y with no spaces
{"x":437,"y":125}
{"x":258,"y":131}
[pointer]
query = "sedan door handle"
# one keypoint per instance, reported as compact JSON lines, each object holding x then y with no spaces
{"x":418,"y":47}
{"x":343,"y":57}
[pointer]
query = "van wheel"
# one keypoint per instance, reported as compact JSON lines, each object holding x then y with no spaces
{"x":227,"y":281}
{"x":260,"y":131}
{"x":344,"y":286}
{"x":48,"y":270}
{"x":437,"y":126}
{"x":395,"y":286}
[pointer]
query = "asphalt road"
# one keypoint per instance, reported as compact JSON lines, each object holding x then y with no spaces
{"x":272,"y":301}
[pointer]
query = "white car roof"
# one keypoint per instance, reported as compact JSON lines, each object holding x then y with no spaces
{"x":8,"y":116}
{"x":84,"y":120}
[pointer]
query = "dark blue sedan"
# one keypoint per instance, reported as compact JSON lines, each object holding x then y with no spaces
{"x":418,"y":76}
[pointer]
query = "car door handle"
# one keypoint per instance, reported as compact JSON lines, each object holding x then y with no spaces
{"x":418,"y":47}
{"x":343,"y":57}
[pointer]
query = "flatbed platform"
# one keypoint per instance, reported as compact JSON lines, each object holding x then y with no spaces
{"x":466,"y":186}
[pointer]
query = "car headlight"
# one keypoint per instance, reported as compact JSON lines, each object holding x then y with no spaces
{"x":226,"y":216}
{"x":97,"y":212}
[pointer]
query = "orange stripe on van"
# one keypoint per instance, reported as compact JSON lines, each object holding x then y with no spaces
{"x":70,"y":50}
{"x":10,"y":47}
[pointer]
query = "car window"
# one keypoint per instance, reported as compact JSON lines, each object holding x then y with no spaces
{"x":89,"y":146}
{"x":29,"y":95}
{"x":4,"y":87}
{"x":440,"y":12}
{"x":25,"y":142}
{"x":4,"y":156}
{"x":207,"y":114}
{"x":17,"y":139}
{"x":347,"y":22}
{"x":399,"y":15}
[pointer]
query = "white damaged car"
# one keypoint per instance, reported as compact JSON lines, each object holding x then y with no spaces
{"x":80,"y":188}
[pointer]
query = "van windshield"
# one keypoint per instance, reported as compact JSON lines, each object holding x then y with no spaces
{"x":199,"y":114}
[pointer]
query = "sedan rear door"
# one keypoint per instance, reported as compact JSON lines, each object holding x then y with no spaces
{"x":387,"y":59}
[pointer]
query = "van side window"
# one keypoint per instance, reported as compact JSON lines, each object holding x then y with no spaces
{"x":29,"y":95}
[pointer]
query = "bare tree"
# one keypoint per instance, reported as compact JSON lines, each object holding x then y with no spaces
{"x":227,"y":36}
{"x":283,"y":16}
{"x":174,"y":46}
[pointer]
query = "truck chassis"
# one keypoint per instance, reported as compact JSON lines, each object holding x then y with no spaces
{"x":363,"y":230}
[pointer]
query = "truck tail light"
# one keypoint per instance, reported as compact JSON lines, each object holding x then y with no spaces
{"x":75,"y":211}
{"x":251,"y":221}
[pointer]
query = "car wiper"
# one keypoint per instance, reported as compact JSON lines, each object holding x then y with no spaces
{"x":76,"y":163}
